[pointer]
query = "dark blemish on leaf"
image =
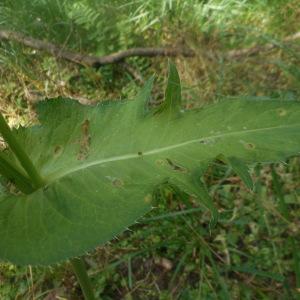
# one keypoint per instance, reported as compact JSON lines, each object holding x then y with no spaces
{"x":176,"y":167}
{"x":148,"y":199}
{"x":281,"y":112}
{"x":116,"y":182}
{"x":85,"y":141}
{"x":207,"y":141}
{"x":58,"y":150}
{"x":249,"y":146}
{"x":140,"y":153}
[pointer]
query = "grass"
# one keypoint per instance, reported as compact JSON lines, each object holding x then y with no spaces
{"x":172,"y":253}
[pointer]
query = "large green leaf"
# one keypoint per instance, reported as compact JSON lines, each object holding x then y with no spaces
{"x":103,"y":163}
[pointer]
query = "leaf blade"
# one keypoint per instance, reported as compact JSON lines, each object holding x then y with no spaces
{"x":103,"y":163}
{"x":242,"y":170}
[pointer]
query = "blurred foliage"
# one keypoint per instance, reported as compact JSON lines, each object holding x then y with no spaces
{"x":211,"y":28}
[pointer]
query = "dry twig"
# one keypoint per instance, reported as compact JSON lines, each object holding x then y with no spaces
{"x":90,"y":60}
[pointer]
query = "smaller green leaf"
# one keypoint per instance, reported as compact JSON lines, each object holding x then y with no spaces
{"x":144,"y":96}
{"x":172,"y":103}
{"x":242,"y":170}
{"x":206,"y":199}
{"x":194,"y":185}
{"x":279,"y":194}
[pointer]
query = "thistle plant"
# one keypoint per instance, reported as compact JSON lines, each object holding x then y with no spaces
{"x":85,"y":174}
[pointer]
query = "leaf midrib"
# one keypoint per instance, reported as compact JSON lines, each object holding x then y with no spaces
{"x":57,"y":175}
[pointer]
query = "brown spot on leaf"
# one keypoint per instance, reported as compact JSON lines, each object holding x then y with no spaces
{"x":176,"y":167}
{"x":118,"y":183}
{"x":58,"y":150}
{"x":85,"y":141}
{"x":249,"y":146}
{"x":281,"y":112}
{"x":208,"y":141}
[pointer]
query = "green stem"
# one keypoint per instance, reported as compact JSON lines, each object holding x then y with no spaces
{"x":20,"y":153}
{"x":82,"y":276}
{"x":10,"y":172}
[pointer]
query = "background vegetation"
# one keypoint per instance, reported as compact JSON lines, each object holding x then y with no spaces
{"x":253,"y":252}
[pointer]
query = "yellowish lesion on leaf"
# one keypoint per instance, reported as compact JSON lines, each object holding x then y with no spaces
{"x":148,"y":198}
{"x":281,"y":112}
{"x":160,"y":162}
{"x":84,"y":141}
{"x":248,"y":145}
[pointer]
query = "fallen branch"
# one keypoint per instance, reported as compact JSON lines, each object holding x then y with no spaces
{"x":236,"y":54}
{"x":90,"y":60}
{"x":119,"y":57}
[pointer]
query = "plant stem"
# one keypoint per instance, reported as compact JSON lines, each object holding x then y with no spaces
{"x":10,"y":172}
{"x":82,"y":276}
{"x":20,"y":153}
